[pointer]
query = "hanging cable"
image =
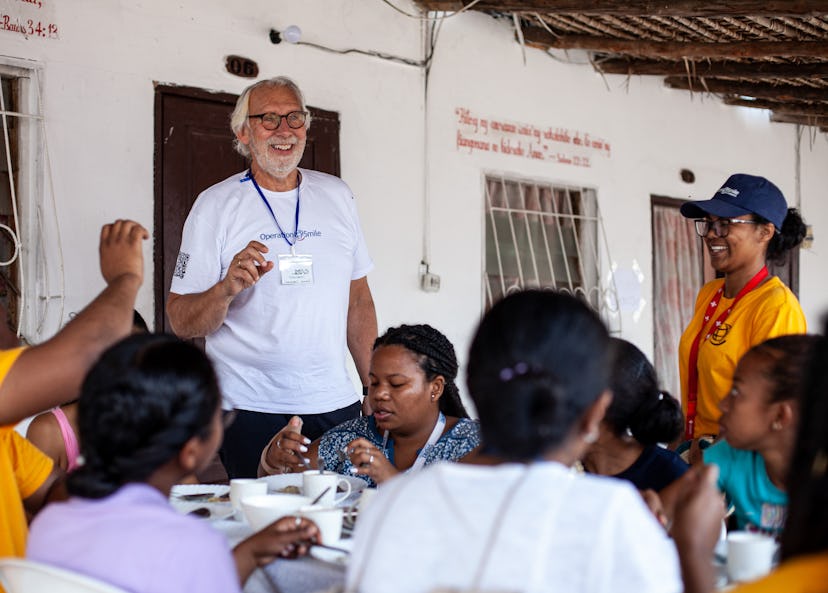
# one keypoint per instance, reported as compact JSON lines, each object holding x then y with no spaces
{"x":519,"y":33}
{"x":48,"y":166}
{"x":426,"y":18}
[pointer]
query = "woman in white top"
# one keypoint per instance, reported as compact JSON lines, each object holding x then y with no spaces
{"x":518,"y":519}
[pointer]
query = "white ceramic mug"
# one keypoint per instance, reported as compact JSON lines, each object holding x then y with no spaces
{"x":314,"y":483}
{"x":749,"y":555}
{"x":327,"y":519}
{"x":242,"y":487}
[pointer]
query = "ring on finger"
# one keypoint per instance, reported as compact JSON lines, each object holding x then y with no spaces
{"x":370,"y":459}
{"x":278,"y":443}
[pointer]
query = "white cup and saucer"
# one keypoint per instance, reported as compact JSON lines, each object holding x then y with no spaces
{"x":315,"y":482}
{"x":750,"y":555}
{"x":242,"y":488}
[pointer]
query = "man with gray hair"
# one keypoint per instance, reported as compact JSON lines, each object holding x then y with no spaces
{"x":272,"y":271}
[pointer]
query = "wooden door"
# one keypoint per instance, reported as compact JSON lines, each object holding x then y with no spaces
{"x":194,"y":150}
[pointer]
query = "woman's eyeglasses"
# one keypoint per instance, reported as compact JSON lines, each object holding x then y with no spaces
{"x":721,"y":226}
{"x":271,"y":121}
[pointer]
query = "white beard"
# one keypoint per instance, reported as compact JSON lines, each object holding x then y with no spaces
{"x":273,"y":164}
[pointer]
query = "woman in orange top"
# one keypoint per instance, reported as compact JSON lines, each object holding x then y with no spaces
{"x":745,"y":224}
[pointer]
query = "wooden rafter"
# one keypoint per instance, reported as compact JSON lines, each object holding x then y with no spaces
{"x":792,"y":108}
{"x":778,"y":92}
{"x":707,"y":68}
{"x":676,"y":50}
{"x":805,"y":120}
{"x":685,"y":8}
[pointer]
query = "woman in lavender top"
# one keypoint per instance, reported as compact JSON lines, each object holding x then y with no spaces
{"x":149,"y":416}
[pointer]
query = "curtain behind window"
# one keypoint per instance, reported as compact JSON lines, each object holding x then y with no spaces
{"x":677,"y":257}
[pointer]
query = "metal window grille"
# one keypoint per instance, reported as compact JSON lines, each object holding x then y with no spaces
{"x":29,"y":235}
{"x":545,"y":236}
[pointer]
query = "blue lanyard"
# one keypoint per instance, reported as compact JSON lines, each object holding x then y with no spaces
{"x":264,"y":199}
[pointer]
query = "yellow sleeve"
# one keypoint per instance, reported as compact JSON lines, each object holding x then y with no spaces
{"x":30,"y":465}
{"x":805,"y":574}
{"x":7,"y":359}
{"x":779,"y":315}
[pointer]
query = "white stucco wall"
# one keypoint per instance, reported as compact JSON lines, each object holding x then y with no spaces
{"x":98,"y":101}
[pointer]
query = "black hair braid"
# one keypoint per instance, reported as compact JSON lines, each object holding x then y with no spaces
{"x":143,"y":400}
{"x":436,"y":357}
{"x":791,"y":234}
{"x":806,"y":527}
{"x":538,"y":360}
{"x":638,"y":406}
{"x":786,"y":364}
{"x":660,"y":420}
{"x":538,"y":401}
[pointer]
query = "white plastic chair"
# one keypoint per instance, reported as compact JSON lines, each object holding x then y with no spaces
{"x":18,"y":575}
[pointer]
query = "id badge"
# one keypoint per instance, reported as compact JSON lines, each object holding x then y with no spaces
{"x":296,"y":269}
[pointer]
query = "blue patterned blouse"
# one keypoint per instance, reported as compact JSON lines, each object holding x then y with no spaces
{"x":457,"y":442}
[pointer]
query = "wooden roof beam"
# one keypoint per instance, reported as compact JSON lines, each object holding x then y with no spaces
{"x":805,"y":120}
{"x":707,"y":68}
{"x":676,"y":50}
{"x":775,"y":92}
{"x":814,"y":110}
{"x":686,"y":8}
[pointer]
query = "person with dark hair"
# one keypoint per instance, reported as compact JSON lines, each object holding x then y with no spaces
{"x":56,"y":432}
{"x":36,"y":378}
{"x":639,"y":418}
{"x":149,"y":415}
{"x":757,"y":430}
{"x":418,"y":417}
{"x":804,"y":540}
{"x":745,"y":224}
{"x":519,"y":518}
{"x":272,"y":272}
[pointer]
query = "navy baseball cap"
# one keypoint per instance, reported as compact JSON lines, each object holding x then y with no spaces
{"x":742,"y":194}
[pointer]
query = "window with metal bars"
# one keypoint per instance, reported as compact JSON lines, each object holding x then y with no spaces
{"x":542,"y":236}
{"x":31,"y":258}
{"x":10,"y":284}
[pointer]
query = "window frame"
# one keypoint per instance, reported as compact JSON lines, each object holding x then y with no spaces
{"x":597,"y":288}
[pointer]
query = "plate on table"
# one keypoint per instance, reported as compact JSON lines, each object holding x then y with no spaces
{"x":292,"y":483}
{"x":190,"y":498}
{"x":337,"y":557}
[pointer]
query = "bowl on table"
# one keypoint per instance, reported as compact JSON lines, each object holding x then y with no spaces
{"x":263,"y":509}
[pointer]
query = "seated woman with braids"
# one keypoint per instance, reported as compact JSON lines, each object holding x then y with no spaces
{"x":149,"y":415}
{"x":418,"y":416}
{"x":639,"y":417}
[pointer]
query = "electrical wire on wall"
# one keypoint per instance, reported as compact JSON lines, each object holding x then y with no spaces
{"x":430,"y":18}
{"x":431,"y":24}
{"x":61,"y":295}
{"x":430,"y":33}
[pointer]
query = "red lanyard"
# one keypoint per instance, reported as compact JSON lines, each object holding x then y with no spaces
{"x":693,"y":369}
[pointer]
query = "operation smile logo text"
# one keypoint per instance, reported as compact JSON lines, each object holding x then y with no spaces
{"x":299,"y":235}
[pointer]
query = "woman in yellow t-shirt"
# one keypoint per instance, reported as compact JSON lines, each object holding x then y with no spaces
{"x":745,"y":224}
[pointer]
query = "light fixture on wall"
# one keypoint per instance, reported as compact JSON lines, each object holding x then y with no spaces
{"x":291,"y":34}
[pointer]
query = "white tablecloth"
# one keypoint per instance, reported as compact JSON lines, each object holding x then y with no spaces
{"x":300,"y":575}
